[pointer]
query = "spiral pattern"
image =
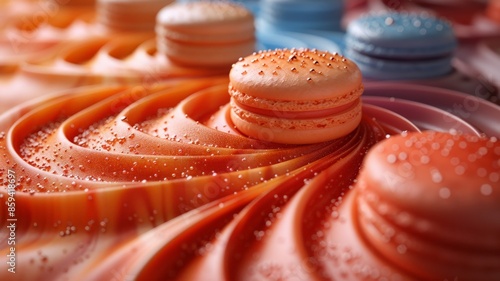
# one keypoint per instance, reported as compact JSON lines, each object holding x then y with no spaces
{"x":147,"y":180}
{"x":100,"y":168}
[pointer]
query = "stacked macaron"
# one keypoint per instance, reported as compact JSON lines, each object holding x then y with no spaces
{"x":129,"y":15}
{"x":427,"y":204}
{"x":300,"y":16}
{"x":397,"y":46}
{"x":205,"y":34}
{"x":295,"y":96}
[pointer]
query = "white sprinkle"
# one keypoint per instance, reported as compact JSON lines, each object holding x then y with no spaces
{"x":494,"y":177}
{"x":402,"y":156}
{"x":460,"y":170}
{"x":436,"y":176}
{"x":462,"y":145}
{"x":482,"y":151}
{"x":391,"y":158}
{"x":444,"y":193}
{"x":401,"y":249}
{"x":481,"y":172}
{"x":424,"y":159}
{"x":486,"y":189}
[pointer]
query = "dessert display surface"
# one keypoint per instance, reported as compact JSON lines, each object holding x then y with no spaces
{"x":182,"y":140}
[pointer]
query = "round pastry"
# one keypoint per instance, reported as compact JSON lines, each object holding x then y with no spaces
{"x":295,"y":96}
{"x":425,"y":208}
{"x":399,"y":46}
{"x":205,"y":33}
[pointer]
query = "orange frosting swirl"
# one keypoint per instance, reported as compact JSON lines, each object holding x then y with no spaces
{"x":102,"y":169}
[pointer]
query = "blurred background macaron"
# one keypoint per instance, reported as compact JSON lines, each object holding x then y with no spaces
{"x":399,"y":46}
{"x":301,"y":16}
{"x":295,"y":96}
{"x":301,"y":24}
{"x":205,"y":33}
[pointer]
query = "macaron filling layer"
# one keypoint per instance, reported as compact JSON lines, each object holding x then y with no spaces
{"x":299,"y":120}
{"x":256,"y":101}
{"x":298,"y":115}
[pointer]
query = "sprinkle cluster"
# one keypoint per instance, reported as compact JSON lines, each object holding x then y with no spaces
{"x":296,"y":61}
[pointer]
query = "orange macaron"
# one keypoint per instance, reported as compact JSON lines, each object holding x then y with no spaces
{"x":295,"y":96}
{"x":430,"y":202}
{"x":205,"y":33}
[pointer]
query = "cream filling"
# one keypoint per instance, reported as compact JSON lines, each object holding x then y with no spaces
{"x":294,"y":105}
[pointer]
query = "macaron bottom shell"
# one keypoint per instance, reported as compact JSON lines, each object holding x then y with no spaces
{"x":399,"y":69}
{"x":206,"y":55}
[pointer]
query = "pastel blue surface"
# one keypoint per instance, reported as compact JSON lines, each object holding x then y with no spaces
{"x":269,"y":41}
{"x":400,"y":46}
{"x":296,"y":15}
{"x":307,"y":26}
{"x":337,"y":38}
{"x":405,"y":35}
{"x":286,"y":39}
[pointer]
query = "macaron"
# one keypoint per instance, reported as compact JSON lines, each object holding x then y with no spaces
{"x":301,"y":16}
{"x":129,"y":15}
{"x":295,"y":96}
{"x":493,"y":10}
{"x":205,"y":33}
{"x":428,"y":203}
{"x":401,"y":46}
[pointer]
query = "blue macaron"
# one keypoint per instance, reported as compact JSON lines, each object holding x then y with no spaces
{"x":401,"y":46}
{"x":301,"y":16}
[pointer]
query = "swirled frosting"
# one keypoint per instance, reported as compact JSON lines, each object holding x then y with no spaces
{"x":101,"y":168}
{"x":151,"y":181}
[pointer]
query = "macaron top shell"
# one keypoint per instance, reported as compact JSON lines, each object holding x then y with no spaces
{"x":209,"y":13}
{"x":206,"y":22}
{"x":401,"y":34}
{"x":295,"y":74}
